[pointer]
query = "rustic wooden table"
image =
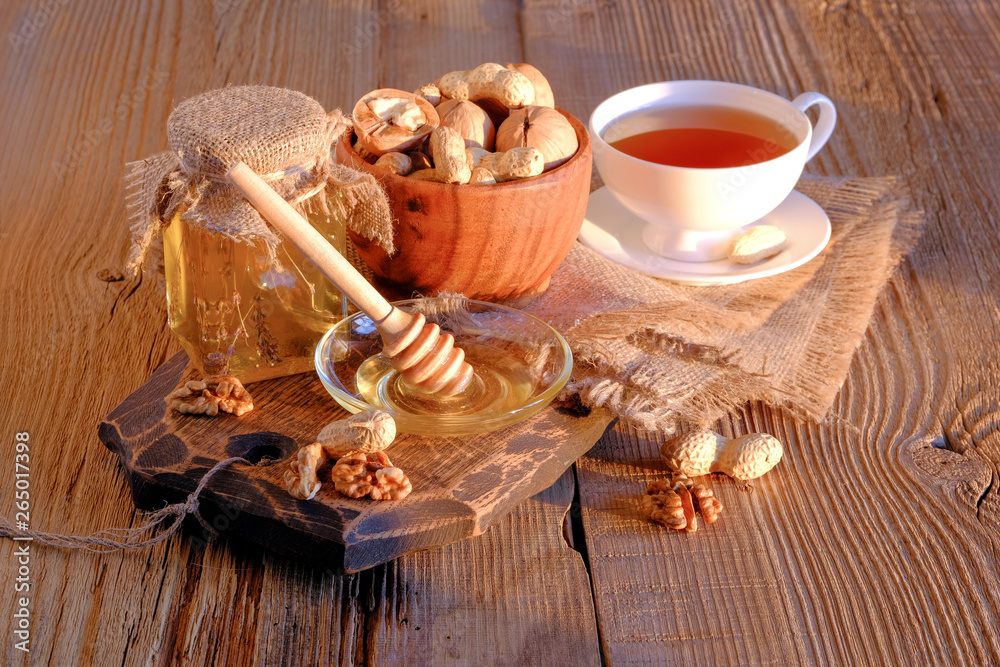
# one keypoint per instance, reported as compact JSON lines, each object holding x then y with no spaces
{"x":876,"y":539}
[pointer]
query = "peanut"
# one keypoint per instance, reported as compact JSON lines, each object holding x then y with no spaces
{"x":701,"y":452}
{"x":509,"y":165}
{"x":482,"y":176}
{"x":448,"y":149}
{"x":489,"y":81}
{"x":395,"y":163}
{"x":368,"y":431}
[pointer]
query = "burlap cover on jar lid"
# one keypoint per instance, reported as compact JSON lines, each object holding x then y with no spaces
{"x":283,"y":135}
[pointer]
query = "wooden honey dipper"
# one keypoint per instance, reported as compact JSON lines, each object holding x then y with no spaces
{"x":426,"y":359}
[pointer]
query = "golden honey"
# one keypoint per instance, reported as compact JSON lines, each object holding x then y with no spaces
{"x":502,"y":383}
{"x":236,"y":313}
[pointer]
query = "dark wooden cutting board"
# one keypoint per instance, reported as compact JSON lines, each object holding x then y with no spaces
{"x":460,"y":484}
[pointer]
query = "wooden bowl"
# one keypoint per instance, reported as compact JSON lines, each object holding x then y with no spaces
{"x":498,"y":242}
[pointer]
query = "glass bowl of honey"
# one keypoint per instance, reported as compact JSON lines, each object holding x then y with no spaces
{"x":521,"y":364}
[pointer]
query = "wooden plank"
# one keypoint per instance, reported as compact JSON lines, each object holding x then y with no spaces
{"x":518,"y":596}
{"x":875,"y":539}
{"x":426,"y":39}
{"x":89,"y":91}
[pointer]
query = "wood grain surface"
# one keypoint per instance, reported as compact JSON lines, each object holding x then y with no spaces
{"x":875,"y":541}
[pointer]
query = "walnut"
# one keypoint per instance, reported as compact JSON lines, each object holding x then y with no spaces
{"x":663,"y":505}
{"x":391,"y":484}
{"x":357,"y":475}
{"x":300,"y":478}
{"x":709,"y":506}
{"x":193,"y":399}
{"x":542,"y":128}
{"x":393,"y":120}
{"x":350,"y":475}
{"x":361,"y":468}
{"x":687,"y":504}
{"x":675,"y":503}
{"x":209,"y":395}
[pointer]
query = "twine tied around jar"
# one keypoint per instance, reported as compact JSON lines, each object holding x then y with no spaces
{"x":283,"y":135}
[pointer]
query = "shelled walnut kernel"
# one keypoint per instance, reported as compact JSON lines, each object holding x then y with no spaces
{"x":663,"y":505}
{"x":210,"y":395}
{"x":358,"y":475}
{"x":675,"y":503}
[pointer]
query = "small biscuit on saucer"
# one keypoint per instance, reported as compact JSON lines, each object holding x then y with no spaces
{"x":757,"y":243}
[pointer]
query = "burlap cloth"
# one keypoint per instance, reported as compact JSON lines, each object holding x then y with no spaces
{"x":656,"y":353}
{"x":283,"y":135}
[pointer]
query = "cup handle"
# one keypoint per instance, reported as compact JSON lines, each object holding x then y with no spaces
{"x":824,"y":125}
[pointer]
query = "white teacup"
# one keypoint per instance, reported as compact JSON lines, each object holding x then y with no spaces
{"x":694,"y":213}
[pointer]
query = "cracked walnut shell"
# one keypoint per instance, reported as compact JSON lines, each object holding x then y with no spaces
{"x":393,"y":120}
{"x":210,"y":395}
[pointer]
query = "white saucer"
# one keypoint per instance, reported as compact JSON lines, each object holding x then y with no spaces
{"x":616,"y":233}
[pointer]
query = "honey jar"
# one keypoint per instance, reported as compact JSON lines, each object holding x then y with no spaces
{"x":241,"y":301}
{"x":236,"y":313}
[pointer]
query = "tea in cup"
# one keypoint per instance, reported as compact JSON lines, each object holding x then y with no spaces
{"x":701,"y":161}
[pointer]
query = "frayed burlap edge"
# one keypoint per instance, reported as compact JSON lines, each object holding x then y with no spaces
{"x":158,"y":187}
{"x":657,"y":354}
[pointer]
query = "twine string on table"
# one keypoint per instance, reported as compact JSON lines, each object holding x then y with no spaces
{"x":112,"y":539}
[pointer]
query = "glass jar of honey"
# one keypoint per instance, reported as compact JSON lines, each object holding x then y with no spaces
{"x":242,"y":301}
{"x":236,"y":313}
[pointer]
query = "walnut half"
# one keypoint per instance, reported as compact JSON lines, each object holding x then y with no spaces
{"x":662,"y":504}
{"x":300,"y":477}
{"x":675,"y":503}
{"x":357,"y":475}
{"x":210,"y":395}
